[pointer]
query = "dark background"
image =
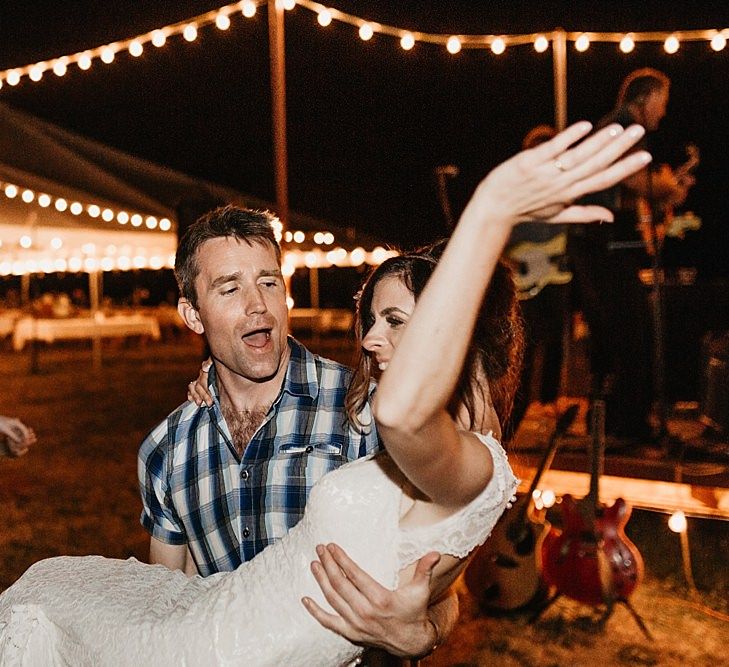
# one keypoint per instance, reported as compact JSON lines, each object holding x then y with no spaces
{"x":368,"y":122}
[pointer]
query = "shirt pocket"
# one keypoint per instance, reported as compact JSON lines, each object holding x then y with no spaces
{"x":307,"y":464}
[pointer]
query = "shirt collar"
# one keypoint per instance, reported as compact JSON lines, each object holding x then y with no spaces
{"x":301,"y":377}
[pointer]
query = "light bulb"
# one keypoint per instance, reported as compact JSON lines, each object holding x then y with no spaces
{"x":677,"y":522}
{"x":541,"y":44}
{"x":107,"y":55}
{"x":671,"y":44}
{"x":718,"y":42}
{"x":498,"y":46}
{"x":136,"y":49}
{"x":407,"y":41}
{"x":248,"y":8}
{"x":222,"y":22}
{"x":84,"y":61}
{"x":324,"y":17}
{"x":453,"y":45}
{"x":159,"y":37}
{"x":366,"y":32}
{"x":190,"y":32}
{"x":582,"y":43}
{"x":627,"y":44}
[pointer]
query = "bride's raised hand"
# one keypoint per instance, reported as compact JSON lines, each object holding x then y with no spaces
{"x":543,"y":182}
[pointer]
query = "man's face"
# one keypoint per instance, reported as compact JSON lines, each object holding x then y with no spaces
{"x":242,"y":309}
{"x":654,"y":108}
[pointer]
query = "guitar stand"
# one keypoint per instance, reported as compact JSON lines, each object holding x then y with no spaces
{"x":610,"y":606}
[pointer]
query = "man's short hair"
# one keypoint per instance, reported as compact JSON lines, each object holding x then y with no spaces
{"x":241,"y":223}
{"x":641,"y":83}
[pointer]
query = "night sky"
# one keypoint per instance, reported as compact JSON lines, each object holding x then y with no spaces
{"x":368,"y":122}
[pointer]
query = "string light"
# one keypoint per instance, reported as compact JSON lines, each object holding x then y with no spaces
{"x":582,"y":43}
{"x":627,"y":44}
{"x":498,"y":46}
{"x":453,"y":44}
{"x":324,"y":18}
{"x":718,"y":42}
{"x":541,"y":44}
{"x":671,"y":44}
{"x":366,"y":32}
{"x":220,"y":17}
{"x":677,"y":522}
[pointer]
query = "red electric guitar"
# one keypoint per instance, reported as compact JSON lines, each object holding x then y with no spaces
{"x":591,"y":560}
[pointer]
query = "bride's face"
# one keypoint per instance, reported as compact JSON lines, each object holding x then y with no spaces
{"x":392,"y":306}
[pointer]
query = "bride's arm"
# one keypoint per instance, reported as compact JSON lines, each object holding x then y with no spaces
{"x":411,"y":402}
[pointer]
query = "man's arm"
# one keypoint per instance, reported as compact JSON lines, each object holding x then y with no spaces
{"x":399,"y":621}
{"x":173,"y":556}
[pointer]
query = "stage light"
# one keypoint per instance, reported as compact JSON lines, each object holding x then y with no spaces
{"x":671,"y":45}
{"x":407,"y":41}
{"x":453,"y":44}
{"x":541,"y":44}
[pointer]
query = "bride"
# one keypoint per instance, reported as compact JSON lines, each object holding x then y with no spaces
{"x":441,"y":485}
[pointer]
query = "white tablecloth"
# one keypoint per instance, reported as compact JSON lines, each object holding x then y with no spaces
{"x":116,"y":326}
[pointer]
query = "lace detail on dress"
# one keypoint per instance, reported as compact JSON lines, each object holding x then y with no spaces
{"x":468,"y":528}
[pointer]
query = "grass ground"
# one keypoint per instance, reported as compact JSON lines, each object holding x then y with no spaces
{"x":76,"y":493}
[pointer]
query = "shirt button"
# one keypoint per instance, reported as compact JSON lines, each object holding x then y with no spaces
{"x":246,"y":532}
{"x":309,"y":449}
{"x":244,"y":474}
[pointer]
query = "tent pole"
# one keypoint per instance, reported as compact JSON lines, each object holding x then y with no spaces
{"x":94,"y":300}
{"x":559,"y":67}
{"x":277,"y":49}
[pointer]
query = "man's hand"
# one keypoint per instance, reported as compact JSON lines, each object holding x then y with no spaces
{"x":370,"y":614}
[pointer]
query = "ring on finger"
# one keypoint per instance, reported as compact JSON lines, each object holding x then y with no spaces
{"x":558,"y":163}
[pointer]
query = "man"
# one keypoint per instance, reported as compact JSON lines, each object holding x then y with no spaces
{"x":221,"y":483}
{"x":537,"y":254}
{"x":606,"y":263}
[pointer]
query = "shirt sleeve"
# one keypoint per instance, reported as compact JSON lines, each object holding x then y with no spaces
{"x":158,"y":517}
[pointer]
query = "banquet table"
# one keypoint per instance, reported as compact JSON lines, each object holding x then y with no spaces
{"x":115,"y":326}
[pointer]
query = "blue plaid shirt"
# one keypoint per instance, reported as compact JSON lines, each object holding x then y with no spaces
{"x":197,"y":491}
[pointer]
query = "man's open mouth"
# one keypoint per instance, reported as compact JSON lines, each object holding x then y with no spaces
{"x":257,"y":338}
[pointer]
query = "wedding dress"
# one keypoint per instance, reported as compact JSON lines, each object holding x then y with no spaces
{"x":97,"y":611}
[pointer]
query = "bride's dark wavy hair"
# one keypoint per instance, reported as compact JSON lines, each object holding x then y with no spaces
{"x":497,"y":344}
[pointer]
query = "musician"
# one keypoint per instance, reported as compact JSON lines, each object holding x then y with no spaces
{"x":537,"y":254}
{"x":606,"y":261}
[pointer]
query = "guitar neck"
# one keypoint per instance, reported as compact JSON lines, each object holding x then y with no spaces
{"x":597,"y":428}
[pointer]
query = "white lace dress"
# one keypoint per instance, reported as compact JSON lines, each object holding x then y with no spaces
{"x":98,"y":611}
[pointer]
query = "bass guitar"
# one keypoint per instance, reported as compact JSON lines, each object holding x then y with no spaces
{"x":504,"y":573}
{"x":590,"y":559}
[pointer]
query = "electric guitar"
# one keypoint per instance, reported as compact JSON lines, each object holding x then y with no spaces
{"x":670,"y":225}
{"x":504,"y":573}
{"x":590,"y":559}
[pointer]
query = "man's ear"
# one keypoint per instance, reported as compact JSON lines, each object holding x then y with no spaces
{"x":190,"y":315}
